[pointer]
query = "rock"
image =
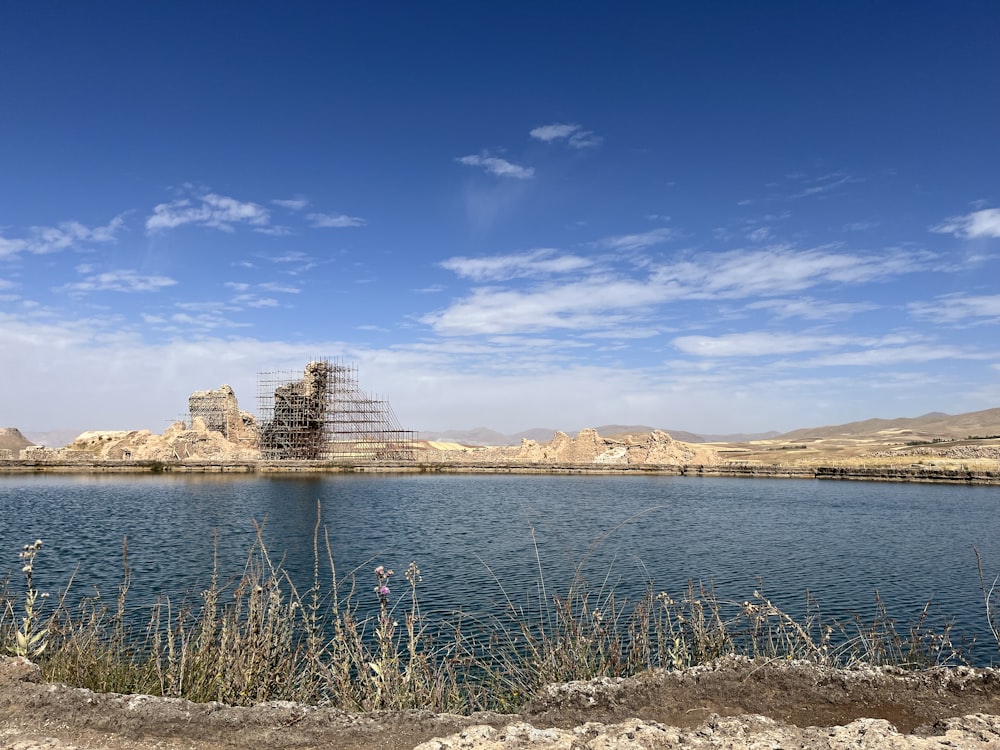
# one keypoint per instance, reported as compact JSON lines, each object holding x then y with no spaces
{"x":12,"y":442}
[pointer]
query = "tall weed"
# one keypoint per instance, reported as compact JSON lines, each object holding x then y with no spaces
{"x":258,"y":637}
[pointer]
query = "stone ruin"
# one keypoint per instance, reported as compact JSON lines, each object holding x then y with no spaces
{"x":221,"y":413}
{"x":588,"y":447}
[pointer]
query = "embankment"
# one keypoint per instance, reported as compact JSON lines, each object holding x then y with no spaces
{"x":915,"y":473}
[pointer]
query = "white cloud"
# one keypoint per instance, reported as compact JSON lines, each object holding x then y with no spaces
{"x":860,"y":226}
{"x":292,"y":204}
{"x":497,"y":166}
{"x":824,"y":184}
{"x":207,"y":210}
{"x":958,"y":308}
{"x":984,"y":223}
{"x":273,"y":286}
{"x":553,"y":132}
{"x":500,"y":267}
{"x":43,"y":240}
{"x":602,"y":300}
{"x":811,"y":308}
{"x":637,"y":241}
{"x":204,"y":322}
{"x":574,"y":135}
{"x":253,"y":300}
{"x":275,"y":230}
{"x":323,"y":221}
{"x":780,"y":269}
{"x":756,"y":344}
{"x":120,"y":281}
{"x":896,"y":355}
{"x":589,"y":304}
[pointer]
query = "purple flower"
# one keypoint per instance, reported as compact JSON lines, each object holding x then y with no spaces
{"x":384,"y":591}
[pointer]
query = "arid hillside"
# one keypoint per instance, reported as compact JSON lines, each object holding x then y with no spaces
{"x":970,"y":440}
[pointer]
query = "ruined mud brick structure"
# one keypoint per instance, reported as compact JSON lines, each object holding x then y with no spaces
{"x":221,"y":413}
{"x":322,"y":415}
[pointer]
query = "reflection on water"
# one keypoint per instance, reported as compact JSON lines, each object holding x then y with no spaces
{"x":481,"y":539}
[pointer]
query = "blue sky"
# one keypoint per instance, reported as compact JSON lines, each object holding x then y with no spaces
{"x":713,"y":216}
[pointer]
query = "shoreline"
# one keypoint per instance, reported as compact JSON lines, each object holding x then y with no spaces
{"x":914,"y":474}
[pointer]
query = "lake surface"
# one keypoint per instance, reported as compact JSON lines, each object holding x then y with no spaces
{"x":840,"y":541}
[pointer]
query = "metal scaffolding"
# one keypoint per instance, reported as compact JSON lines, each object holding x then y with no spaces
{"x":322,"y":415}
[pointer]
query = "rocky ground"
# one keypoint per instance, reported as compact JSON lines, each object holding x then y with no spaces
{"x":733,"y":703}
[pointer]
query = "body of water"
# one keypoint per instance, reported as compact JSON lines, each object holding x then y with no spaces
{"x":482,"y":539}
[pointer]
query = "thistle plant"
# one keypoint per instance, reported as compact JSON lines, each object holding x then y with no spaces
{"x":385,"y":665}
{"x":30,"y":638}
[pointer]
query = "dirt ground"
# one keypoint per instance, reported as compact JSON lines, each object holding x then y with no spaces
{"x":730,"y":703}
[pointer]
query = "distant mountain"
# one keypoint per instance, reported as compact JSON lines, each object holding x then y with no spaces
{"x":54,"y":438}
{"x":933,"y":425}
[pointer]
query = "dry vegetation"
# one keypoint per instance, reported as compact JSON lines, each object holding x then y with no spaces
{"x":364,"y":644}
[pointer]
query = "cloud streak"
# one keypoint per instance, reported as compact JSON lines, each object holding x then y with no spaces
{"x":503,"y":267}
{"x":43,"y":240}
{"x":209,"y":210}
{"x":335,"y":221}
{"x":604,"y":298}
{"x":497,"y":166}
{"x":125,"y":280}
{"x":984,"y":223}
{"x":572,"y":134}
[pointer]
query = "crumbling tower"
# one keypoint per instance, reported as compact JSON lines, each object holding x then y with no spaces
{"x":322,"y":415}
{"x":220,"y":411}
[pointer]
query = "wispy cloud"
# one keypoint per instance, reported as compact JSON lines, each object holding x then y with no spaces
{"x":573,"y":134}
{"x":958,"y":308}
{"x":323,"y":221}
{"x":860,"y":226}
{"x":497,"y":166}
{"x":756,"y":343}
{"x":42,"y":240}
{"x":781,"y":269}
{"x":269,"y":286}
{"x":984,"y":223}
{"x":854,"y":350}
{"x":120,"y":281}
{"x":602,"y":299}
{"x":273,"y":286}
{"x":204,"y":321}
{"x":636,"y":241}
{"x":292,"y":204}
{"x":823,"y":184}
{"x":207,"y":210}
{"x":589,"y":304}
{"x":811,"y":308}
{"x":886,"y":355}
{"x":501,"y":267}
{"x":254,"y":300}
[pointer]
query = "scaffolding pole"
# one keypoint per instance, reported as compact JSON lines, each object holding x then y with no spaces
{"x":321,"y":414}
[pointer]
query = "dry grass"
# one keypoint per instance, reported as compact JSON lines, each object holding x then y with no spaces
{"x":260,"y":638}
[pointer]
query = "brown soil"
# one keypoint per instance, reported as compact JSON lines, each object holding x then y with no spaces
{"x":781,"y":704}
